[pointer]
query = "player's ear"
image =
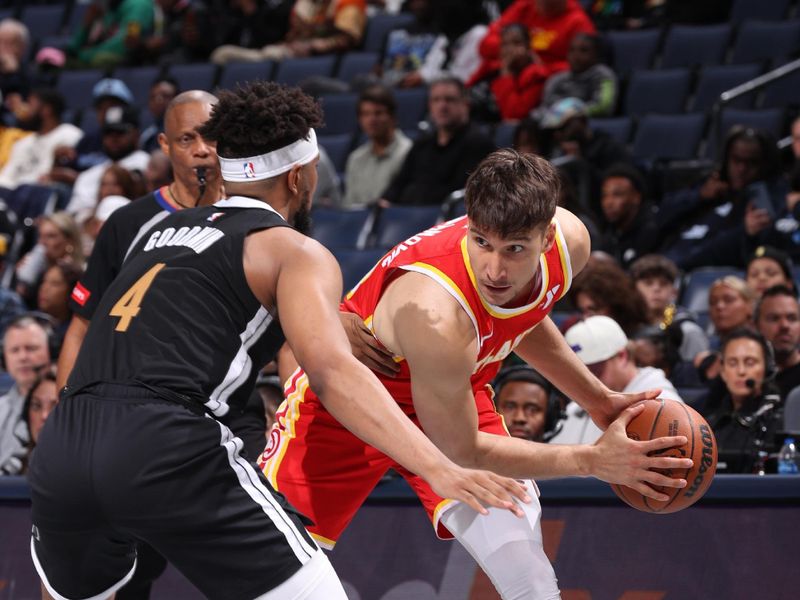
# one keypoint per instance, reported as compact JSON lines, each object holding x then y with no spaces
{"x":162,"y":142}
{"x":293,"y":179}
{"x":549,"y":236}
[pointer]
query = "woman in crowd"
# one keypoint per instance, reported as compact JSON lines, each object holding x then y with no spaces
{"x":744,"y":412}
{"x":54,"y":292}
{"x":769,"y":267}
{"x":39,"y":403}
{"x":59,"y":239}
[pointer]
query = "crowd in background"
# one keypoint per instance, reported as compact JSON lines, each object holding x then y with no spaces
{"x":539,"y":69}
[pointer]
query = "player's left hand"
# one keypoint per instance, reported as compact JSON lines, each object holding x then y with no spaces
{"x":365,"y":347}
{"x":479,"y":489}
{"x":616,"y":402}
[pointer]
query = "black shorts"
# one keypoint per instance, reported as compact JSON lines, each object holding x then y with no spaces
{"x":117,"y":464}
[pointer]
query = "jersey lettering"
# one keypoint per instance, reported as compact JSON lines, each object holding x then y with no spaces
{"x":197,"y":238}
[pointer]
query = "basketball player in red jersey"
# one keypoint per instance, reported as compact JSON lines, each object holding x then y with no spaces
{"x":450,"y":304}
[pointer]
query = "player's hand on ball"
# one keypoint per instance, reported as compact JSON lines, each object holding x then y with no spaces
{"x":619,"y":459}
{"x":479,"y":489}
{"x":616,"y":402}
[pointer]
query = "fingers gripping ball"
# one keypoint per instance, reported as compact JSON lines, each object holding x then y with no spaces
{"x":667,"y":418}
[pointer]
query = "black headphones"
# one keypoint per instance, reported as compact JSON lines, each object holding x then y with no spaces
{"x":555,"y":412}
{"x":43,"y":320}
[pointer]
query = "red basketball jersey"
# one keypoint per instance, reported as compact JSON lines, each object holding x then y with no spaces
{"x":441,"y":254}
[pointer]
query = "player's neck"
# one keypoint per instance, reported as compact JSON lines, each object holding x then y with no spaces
{"x":528,"y":293}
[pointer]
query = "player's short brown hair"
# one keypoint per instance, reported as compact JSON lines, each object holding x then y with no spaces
{"x":510,"y":193}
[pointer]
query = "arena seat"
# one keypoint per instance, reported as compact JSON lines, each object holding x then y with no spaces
{"x":355,"y":264}
{"x":397,"y":223}
{"x":356,"y":63}
{"x":198,"y":76}
{"x":633,"y":49}
{"x":139,"y":80}
{"x":658,"y":91}
{"x":338,"y":147}
{"x":768,"y":119}
{"x":412,"y":104}
{"x":379,"y":26}
{"x":76,"y":87}
{"x":241,"y":72}
{"x":338,"y":228}
{"x":619,"y":128}
{"x":774,"y":10}
{"x":714,"y":80}
{"x":688,"y":46}
{"x":339,"y":113}
{"x":668,"y":137}
{"x":694,"y":291}
{"x":43,"y":20}
{"x":291,"y":71}
{"x":782,"y":93}
{"x":764,"y":40}
{"x":791,"y":412}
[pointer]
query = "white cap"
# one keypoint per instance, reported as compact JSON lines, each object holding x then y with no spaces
{"x":596,"y":339}
{"x":108,"y":205}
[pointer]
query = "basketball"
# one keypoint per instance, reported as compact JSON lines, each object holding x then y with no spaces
{"x":661,"y":418}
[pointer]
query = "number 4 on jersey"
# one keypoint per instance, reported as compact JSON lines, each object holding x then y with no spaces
{"x":129,"y":303}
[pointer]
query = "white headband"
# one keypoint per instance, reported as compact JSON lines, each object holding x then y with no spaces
{"x":265,"y":166}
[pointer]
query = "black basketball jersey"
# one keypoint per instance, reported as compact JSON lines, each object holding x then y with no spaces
{"x":180,"y":315}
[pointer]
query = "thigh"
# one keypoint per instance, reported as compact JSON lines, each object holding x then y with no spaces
{"x":324,"y":471}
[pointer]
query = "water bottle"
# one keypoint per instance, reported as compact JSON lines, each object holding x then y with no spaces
{"x":787,"y":458}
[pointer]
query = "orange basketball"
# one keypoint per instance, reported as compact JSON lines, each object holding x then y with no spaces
{"x":667,"y":418}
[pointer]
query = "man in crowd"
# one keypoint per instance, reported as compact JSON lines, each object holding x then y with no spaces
{"x":777,"y":318}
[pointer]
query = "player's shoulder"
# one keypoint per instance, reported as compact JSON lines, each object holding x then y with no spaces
{"x":576,"y":238}
{"x":289,"y":244}
{"x":136,"y":212}
{"x":417,"y":292}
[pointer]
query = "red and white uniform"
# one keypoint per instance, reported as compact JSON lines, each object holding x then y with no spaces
{"x":325,"y":471}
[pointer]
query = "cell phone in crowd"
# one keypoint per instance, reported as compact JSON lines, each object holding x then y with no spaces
{"x":758,"y":196}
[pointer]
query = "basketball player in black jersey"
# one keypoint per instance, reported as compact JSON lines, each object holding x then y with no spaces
{"x":135,"y":449}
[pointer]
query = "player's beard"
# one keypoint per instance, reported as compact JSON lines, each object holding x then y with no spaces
{"x":302,"y":218}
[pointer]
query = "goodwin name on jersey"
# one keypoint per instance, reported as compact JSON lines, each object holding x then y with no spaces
{"x":197,"y":238}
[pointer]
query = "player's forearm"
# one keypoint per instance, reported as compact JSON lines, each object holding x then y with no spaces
{"x":355,"y":397}
{"x":546,"y":349}
{"x":73,"y":340}
{"x":521,"y":459}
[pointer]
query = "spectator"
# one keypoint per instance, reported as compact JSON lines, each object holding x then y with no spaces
{"x":183,"y":32}
{"x":568,"y":198}
{"x":371,"y":167}
{"x":8,"y":137}
{"x":120,"y":144}
{"x":603,"y":288}
{"x":158,"y":172}
{"x":731,"y":303}
{"x":629,"y":220}
{"x":585,"y":152}
{"x":603,"y":347}
{"x":105,"y":208}
{"x":53,"y":297}
{"x":252,"y":24}
{"x":440,"y":161}
{"x":768,"y":267}
{"x":777,"y":318}
{"x":516,"y":79}
{"x":462,"y":26}
{"x":552,"y":25}
{"x":722,"y":221}
{"x":329,"y":185}
{"x":11,"y":305}
{"x":39,"y":403}
{"x":314,"y":28}
{"x":587,"y":79}
{"x":108,"y":31}
{"x":32,"y":157}
{"x":14,"y":40}
{"x":528,"y":137}
{"x":26,"y":352}
{"x":59,"y":239}
{"x":163,"y":90}
{"x":406,"y":48}
{"x":522,"y":397}
{"x":655,"y":277}
{"x":106,"y":94}
{"x":116,"y":182}
{"x":743,"y":414}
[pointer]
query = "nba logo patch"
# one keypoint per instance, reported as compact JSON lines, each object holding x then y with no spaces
{"x":249,"y":170}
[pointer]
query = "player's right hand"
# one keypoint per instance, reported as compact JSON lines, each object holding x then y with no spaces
{"x":479,"y":489}
{"x":619,"y":459}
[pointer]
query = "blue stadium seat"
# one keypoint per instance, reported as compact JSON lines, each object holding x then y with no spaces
{"x":763,"y":40}
{"x":59,"y":41}
{"x":712,"y":81}
{"x":768,"y":119}
{"x":379,"y":26}
{"x":44,"y":20}
{"x":633,"y":49}
{"x":504,"y":135}
{"x":76,"y":16}
{"x":355,"y":264}
{"x":339,"y":113}
{"x":783,"y":92}
{"x":694,"y":397}
{"x":694,"y":292}
{"x":32,"y":201}
{"x":337,"y":228}
{"x":139,"y":80}
{"x":617,"y":127}
{"x":668,"y":137}
{"x":772,"y":10}
{"x":398,"y":223}
{"x":660,"y":92}
{"x":356,"y":63}
{"x":687,"y":46}
{"x":241,"y":72}
{"x":292,"y":71}
{"x":412,"y":104}
{"x":76,"y":87}
{"x":88,"y":122}
{"x":338,"y":148}
{"x":194,"y":77}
